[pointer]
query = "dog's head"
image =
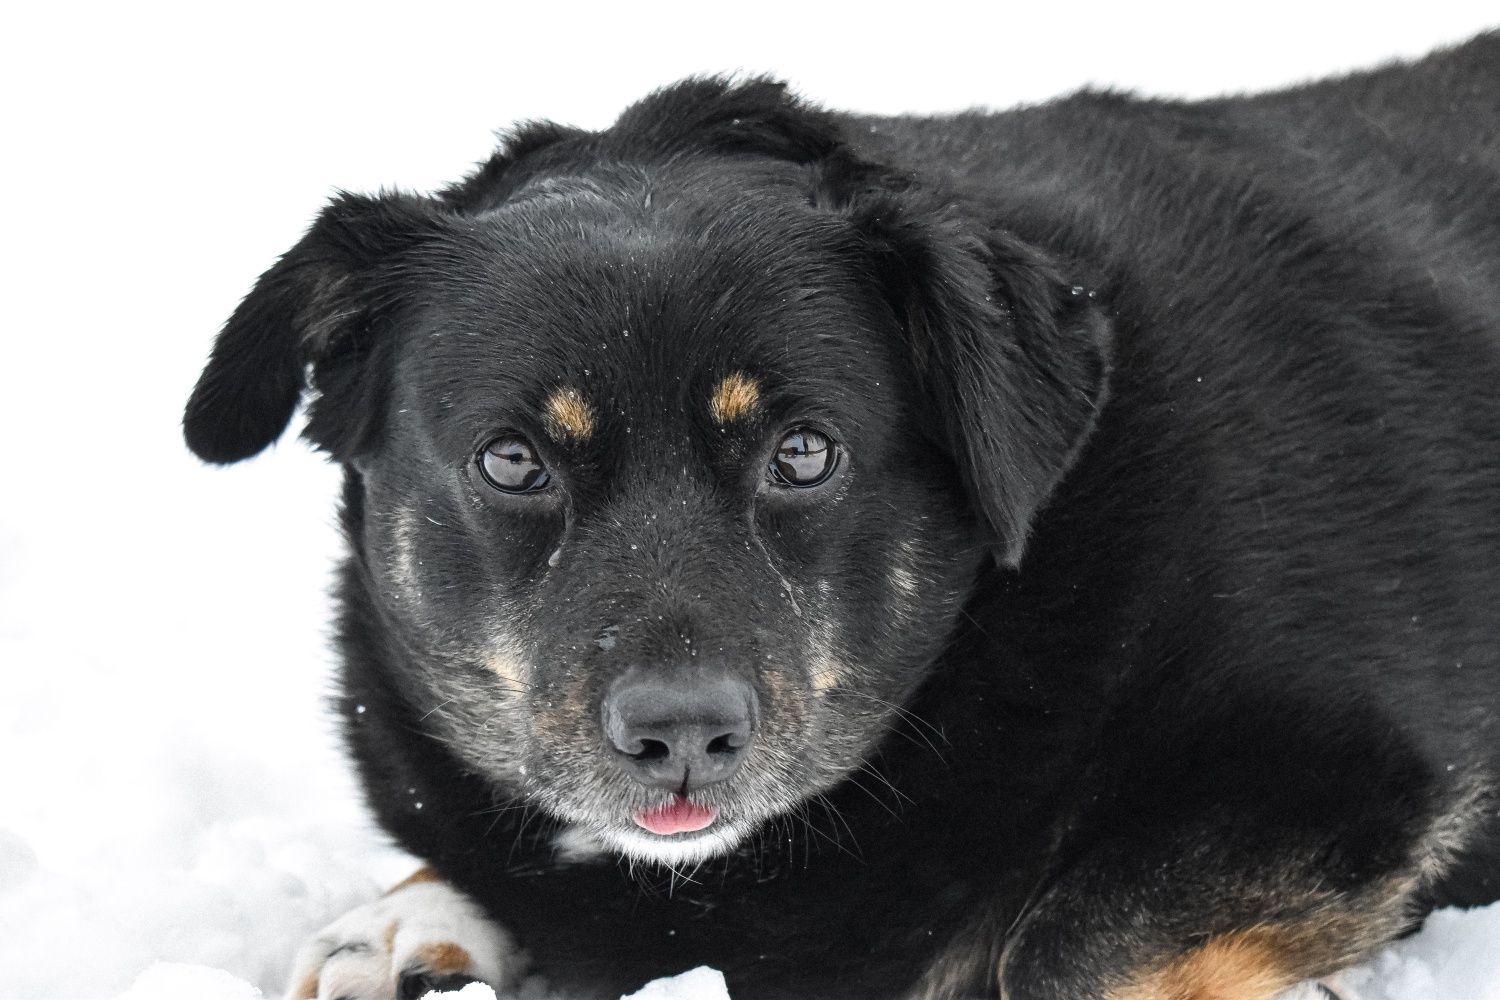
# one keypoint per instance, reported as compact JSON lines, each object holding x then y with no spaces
{"x":677,"y":447}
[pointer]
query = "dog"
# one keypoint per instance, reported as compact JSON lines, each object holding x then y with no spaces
{"x":1042,"y":554}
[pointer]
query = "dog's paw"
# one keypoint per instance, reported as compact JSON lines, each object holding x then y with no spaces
{"x":423,"y":935}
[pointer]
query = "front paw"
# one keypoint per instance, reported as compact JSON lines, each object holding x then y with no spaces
{"x":423,"y":935}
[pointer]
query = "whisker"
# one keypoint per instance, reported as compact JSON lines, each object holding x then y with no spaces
{"x":882,"y":803}
{"x":912,"y":717}
{"x":442,"y":704}
{"x":837,"y":816}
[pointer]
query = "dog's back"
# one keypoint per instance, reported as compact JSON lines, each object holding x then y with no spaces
{"x":1288,"y":521}
{"x":1305,"y":397}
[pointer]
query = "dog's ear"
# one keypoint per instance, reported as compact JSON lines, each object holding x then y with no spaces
{"x":1012,"y":353}
{"x":757,"y":116}
{"x":525,"y":150}
{"x":321,"y":306}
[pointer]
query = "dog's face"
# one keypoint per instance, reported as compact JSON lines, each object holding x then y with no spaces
{"x":666,"y":502}
{"x":635,"y":434}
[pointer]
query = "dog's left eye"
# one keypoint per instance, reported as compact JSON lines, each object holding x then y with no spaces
{"x":510,"y":464}
{"x":803,"y":459}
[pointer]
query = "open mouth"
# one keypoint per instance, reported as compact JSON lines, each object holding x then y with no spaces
{"x":681,"y":815}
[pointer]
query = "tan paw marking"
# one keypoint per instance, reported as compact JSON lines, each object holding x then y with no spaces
{"x":444,"y":958}
{"x":423,"y":930}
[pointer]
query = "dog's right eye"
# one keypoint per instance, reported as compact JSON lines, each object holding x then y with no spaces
{"x":510,"y":464}
{"x":804,"y":458}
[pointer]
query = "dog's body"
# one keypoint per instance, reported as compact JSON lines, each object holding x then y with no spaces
{"x":1216,"y":385}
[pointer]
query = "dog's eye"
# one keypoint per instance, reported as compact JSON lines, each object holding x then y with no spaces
{"x":510,"y":464}
{"x":804,"y":458}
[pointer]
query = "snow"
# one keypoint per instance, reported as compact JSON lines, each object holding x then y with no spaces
{"x":174,"y":815}
{"x":695,"y":984}
{"x":1454,"y":958}
{"x":177,"y":981}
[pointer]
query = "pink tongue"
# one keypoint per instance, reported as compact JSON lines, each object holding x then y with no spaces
{"x":681,"y":816}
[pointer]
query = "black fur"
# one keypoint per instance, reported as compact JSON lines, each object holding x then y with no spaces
{"x":1162,"y":570}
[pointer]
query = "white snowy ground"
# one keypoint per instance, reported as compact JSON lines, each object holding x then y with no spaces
{"x":168,"y":787}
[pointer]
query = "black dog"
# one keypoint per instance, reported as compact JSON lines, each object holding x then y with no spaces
{"x":1052,"y":554}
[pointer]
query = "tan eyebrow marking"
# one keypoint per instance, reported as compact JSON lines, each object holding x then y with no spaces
{"x":735,"y":397}
{"x":568,"y":416}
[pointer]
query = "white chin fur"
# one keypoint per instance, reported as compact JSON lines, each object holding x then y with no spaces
{"x":679,"y":849}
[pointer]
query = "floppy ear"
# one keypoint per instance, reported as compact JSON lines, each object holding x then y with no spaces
{"x":757,"y":115}
{"x":320,"y":305}
{"x":1013,"y":355}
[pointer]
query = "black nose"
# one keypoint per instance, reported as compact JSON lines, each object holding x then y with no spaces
{"x":679,"y":730}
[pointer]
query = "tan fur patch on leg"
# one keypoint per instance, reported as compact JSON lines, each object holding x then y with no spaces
{"x":1262,"y":961}
{"x":568,"y":416}
{"x":1249,"y":965}
{"x":445,"y":959}
{"x":734,"y":397}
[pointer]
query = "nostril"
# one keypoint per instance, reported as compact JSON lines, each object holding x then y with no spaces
{"x":729,"y":743}
{"x":651,"y":750}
